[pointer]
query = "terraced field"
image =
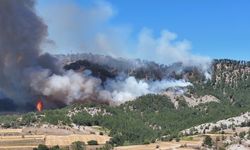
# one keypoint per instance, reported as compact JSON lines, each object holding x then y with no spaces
{"x":67,"y":140}
{"x":14,"y":139}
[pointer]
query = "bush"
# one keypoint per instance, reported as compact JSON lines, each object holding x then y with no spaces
{"x":153,"y":141}
{"x":242,"y":134}
{"x":177,"y":139}
{"x":78,"y":145}
{"x":6,"y":125}
{"x":55,"y":148}
{"x":107,"y":146}
{"x":167,"y":138}
{"x":42,"y":147}
{"x":208,"y":141}
{"x":215,"y":129}
{"x":146,"y":142}
{"x":117,"y":140}
{"x":92,"y":142}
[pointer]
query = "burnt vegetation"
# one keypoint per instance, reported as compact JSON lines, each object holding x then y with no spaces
{"x":102,"y":72}
{"x":105,"y":67}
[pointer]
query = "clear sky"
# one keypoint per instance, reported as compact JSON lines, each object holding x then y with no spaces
{"x":215,"y":28}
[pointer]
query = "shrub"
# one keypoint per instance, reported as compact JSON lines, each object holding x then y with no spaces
{"x":107,"y":146}
{"x":208,"y":141}
{"x":177,"y":139}
{"x":153,"y":141}
{"x":242,"y":134}
{"x":117,"y":140}
{"x":92,"y":142}
{"x":42,"y":147}
{"x":146,"y":142}
{"x":78,"y":145}
{"x":55,"y":148}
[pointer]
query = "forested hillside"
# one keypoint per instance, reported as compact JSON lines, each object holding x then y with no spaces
{"x":154,"y":117}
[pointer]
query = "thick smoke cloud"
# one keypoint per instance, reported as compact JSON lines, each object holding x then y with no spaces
{"x":21,"y":33}
{"x":26,"y":73}
{"x":74,"y":86}
{"x":67,"y":88}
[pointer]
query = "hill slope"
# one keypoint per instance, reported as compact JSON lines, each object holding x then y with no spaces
{"x":152,"y":117}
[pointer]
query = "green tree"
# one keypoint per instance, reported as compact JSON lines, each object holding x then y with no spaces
{"x":208,"y":141}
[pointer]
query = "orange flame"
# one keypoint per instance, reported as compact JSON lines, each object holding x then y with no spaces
{"x":39,"y":106}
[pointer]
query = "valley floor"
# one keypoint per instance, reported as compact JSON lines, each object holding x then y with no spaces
{"x":28,"y":138}
{"x":182,"y":145}
{"x":13,"y":139}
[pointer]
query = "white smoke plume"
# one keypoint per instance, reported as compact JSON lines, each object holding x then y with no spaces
{"x":74,"y":86}
{"x":166,"y":49}
{"x":69,"y":87}
{"x":130,"y":88}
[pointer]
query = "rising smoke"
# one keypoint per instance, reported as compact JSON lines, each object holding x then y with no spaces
{"x":91,"y":28}
{"x":21,"y":33}
{"x":26,"y":73}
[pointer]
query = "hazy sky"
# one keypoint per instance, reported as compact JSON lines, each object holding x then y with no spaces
{"x":213,"y":28}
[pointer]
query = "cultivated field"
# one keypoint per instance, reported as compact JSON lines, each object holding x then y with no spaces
{"x":182,"y":145}
{"x":16,"y":139}
{"x":67,"y":140}
{"x":186,"y":143}
{"x":28,"y":138}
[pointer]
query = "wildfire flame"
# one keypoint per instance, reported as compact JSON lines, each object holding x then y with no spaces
{"x":39,"y":105}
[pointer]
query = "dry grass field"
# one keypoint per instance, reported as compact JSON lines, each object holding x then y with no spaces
{"x":182,"y":145}
{"x":2,"y":131}
{"x":186,"y":143}
{"x":21,"y":139}
{"x":15,"y":139}
{"x":67,"y":140}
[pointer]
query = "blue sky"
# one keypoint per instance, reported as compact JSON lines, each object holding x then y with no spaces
{"x":214,"y":28}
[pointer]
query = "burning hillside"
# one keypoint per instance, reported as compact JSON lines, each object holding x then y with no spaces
{"x":26,"y":73}
{"x":108,"y":67}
